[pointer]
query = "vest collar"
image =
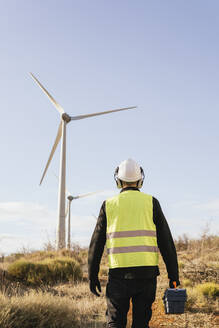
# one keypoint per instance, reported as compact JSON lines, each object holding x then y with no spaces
{"x":129,"y":188}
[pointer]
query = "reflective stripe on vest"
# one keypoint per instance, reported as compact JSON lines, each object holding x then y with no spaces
{"x":131,"y":232}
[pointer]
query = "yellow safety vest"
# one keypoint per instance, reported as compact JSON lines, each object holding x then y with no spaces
{"x":131,"y":232}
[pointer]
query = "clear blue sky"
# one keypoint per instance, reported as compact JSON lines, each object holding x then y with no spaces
{"x":94,"y":56}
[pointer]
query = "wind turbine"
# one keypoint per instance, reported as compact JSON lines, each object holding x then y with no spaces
{"x":68,"y":210}
{"x":70,"y":199}
{"x":61,"y":135}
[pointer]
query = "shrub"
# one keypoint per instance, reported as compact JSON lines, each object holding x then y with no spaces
{"x":197,"y":300}
{"x":42,"y":255}
{"x":209,"y":289}
{"x":20,"y":269}
{"x":65,"y":269}
{"x":49,"y":271}
{"x":187,"y":283}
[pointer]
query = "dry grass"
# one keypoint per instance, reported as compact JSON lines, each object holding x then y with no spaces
{"x":36,"y":310}
{"x":64,"y":306}
{"x":72,"y":304}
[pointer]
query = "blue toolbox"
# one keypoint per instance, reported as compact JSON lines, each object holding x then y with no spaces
{"x":174,"y":300}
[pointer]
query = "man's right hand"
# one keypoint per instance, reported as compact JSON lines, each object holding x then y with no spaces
{"x":94,"y":285}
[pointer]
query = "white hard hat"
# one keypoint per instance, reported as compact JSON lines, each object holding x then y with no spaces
{"x":129,"y":171}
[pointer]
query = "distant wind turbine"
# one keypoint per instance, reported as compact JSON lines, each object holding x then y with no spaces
{"x":61,"y":135}
{"x":70,"y":199}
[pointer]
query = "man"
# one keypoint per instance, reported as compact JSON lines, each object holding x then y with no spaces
{"x":133,"y":226}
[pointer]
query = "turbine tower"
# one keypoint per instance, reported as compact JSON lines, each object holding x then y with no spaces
{"x":61,"y":135}
{"x":70,"y":199}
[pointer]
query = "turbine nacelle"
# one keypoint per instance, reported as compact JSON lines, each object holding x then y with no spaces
{"x":66,"y":117}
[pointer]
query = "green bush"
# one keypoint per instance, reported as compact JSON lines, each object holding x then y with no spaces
{"x":209,"y":289}
{"x":20,"y":269}
{"x":64,"y":269}
{"x":49,"y":271}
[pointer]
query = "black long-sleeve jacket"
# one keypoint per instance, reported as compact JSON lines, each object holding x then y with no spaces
{"x":164,"y":241}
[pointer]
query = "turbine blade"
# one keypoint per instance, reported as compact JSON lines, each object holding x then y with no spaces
{"x":58,"y":137}
{"x":57,"y":106}
{"x":88,"y":194}
{"x":66,"y":211}
{"x":80,"y":117}
{"x":66,"y":190}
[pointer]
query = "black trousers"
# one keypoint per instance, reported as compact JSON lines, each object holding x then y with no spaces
{"x":118,"y":294}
